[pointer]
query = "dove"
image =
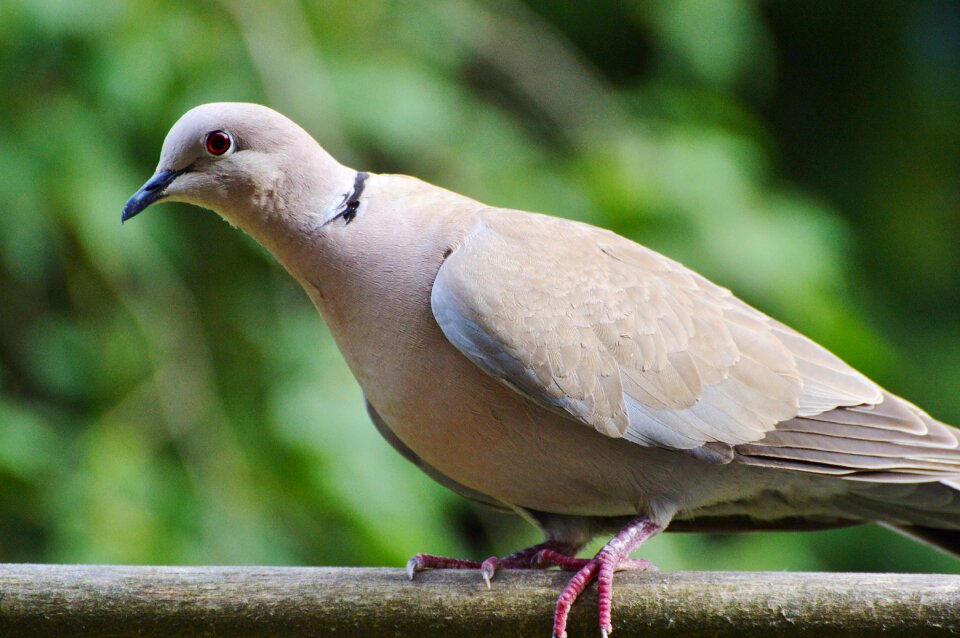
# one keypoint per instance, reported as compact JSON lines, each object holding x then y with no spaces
{"x":557,"y":370}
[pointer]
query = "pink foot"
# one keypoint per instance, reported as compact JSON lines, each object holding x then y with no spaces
{"x":613,"y":557}
{"x":548,"y":558}
{"x":421,"y":562}
{"x":523,"y":559}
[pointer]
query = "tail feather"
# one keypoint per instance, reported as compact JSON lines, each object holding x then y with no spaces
{"x":926,"y":512}
{"x":945,"y":540}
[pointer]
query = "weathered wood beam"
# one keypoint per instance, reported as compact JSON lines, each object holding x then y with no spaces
{"x":239,"y":602}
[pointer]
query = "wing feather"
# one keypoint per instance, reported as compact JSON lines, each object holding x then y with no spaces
{"x":617,"y":337}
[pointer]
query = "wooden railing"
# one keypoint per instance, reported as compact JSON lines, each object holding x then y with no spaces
{"x":239,"y":602}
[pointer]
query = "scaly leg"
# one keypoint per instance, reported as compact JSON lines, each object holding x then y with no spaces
{"x":611,"y":558}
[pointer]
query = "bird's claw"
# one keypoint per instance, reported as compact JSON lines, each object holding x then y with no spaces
{"x":488,"y":568}
{"x":413,"y":566}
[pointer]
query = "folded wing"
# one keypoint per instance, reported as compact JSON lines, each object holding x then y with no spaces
{"x":624,"y":340}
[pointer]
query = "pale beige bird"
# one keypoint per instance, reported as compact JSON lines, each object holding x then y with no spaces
{"x":560,"y":371}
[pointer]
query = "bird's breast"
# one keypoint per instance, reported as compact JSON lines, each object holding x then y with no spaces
{"x":486,"y":436}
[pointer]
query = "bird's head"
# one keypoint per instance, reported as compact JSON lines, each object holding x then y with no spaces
{"x":246,"y":162}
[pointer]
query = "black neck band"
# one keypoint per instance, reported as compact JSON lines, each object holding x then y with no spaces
{"x":352,"y":202}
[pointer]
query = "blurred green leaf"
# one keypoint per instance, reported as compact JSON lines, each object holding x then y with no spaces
{"x":29,"y":446}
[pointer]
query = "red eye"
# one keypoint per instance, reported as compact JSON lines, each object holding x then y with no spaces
{"x":219,"y":142}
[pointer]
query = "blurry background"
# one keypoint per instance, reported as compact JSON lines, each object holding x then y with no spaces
{"x":168,"y":395}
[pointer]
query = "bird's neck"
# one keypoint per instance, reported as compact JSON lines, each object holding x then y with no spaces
{"x":378,"y":270}
{"x":380,"y":241}
{"x":287,"y":213}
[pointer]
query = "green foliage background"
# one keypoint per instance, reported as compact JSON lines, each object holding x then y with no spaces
{"x":168,"y":395}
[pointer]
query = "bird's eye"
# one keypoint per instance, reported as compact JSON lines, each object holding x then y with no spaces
{"x":219,"y":143}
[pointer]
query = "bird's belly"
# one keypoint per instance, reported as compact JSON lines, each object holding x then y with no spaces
{"x":489,"y":438}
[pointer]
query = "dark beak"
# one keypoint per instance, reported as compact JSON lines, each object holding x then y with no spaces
{"x":150,"y":192}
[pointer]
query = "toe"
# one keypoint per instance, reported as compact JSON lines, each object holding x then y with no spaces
{"x":413,"y":566}
{"x":488,"y":568}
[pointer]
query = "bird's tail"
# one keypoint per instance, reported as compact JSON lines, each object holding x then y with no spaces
{"x":945,"y":540}
{"x":927,"y":512}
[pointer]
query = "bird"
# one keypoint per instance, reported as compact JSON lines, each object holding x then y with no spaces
{"x":557,"y":370}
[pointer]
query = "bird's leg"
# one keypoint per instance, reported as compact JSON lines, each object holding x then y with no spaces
{"x":612,"y":557}
{"x":523,"y":559}
{"x":549,"y":558}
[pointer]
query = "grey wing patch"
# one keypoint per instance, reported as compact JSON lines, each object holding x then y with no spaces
{"x":828,"y":382}
{"x":479,"y":346}
{"x":890,"y":442}
{"x":425,"y":467}
{"x":661,"y":427}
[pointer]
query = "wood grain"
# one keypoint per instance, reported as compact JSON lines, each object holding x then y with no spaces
{"x":240,"y":602}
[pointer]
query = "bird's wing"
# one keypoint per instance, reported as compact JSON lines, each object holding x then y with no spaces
{"x":892,"y":441}
{"x":618,"y":337}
